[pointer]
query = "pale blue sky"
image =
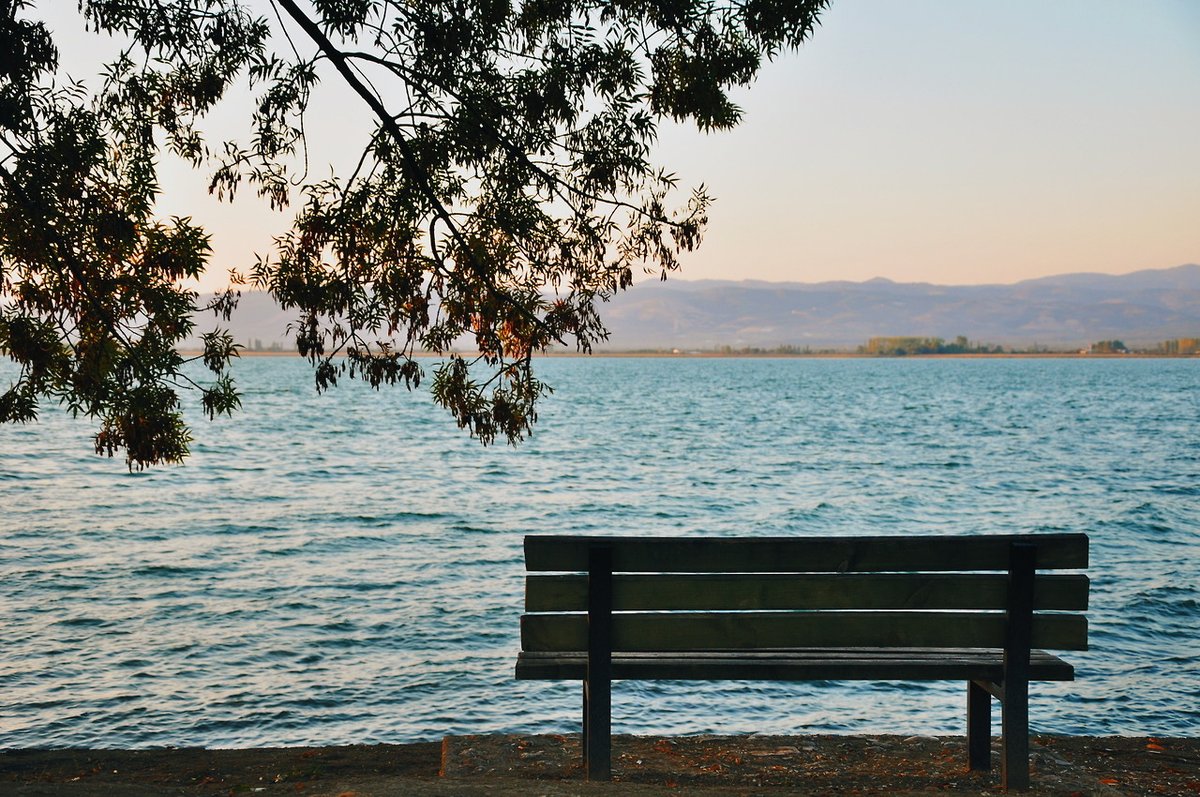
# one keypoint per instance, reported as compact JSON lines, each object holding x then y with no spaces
{"x":924,"y":140}
{"x":963,"y":142}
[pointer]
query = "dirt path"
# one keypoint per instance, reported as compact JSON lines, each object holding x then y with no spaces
{"x":524,"y":765}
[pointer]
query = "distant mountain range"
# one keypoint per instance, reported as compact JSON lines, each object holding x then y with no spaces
{"x":1069,"y":310}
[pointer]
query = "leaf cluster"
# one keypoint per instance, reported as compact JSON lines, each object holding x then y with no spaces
{"x":91,"y":306}
{"x":505,"y":191}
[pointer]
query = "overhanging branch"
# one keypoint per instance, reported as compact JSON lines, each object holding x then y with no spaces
{"x":415,"y":172}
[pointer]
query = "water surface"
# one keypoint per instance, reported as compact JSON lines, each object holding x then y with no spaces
{"x":347,"y":567}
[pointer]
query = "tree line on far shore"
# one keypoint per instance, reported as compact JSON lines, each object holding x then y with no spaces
{"x":904,"y":346}
{"x":879,"y":347}
{"x":901,"y":346}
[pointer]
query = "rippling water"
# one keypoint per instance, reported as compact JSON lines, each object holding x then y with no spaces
{"x":347,"y":567}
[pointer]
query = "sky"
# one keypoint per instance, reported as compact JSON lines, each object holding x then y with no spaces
{"x":923,"y":141}
{"x":963,"y":142}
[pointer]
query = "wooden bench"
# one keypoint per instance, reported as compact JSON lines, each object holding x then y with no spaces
{"x":808,"y":608}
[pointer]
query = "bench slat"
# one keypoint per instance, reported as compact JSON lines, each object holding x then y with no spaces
{"x":837,"y":664}
{"x":757,"y":630}
{"x":804,"y":554}
{"x":567,"y":593}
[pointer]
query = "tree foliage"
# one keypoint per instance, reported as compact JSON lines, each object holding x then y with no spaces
{"x":505,"y":191}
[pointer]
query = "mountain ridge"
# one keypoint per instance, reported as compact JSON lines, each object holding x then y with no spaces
{"x":1189,"y":271}
{"x":1068,"y":310}
{"x":1065,"y":310}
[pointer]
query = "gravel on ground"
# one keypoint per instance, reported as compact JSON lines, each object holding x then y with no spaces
{"x":512,"y":765}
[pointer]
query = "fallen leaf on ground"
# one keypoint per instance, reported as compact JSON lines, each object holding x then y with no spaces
{"x":780,"y":751}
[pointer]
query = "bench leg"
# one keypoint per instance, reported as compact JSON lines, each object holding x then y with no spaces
{"x":979,"y":727}
{"x":597,"y":683}
{"x":1014,"y":763}
{"x":1018,"y":633}
{"x":597,"y":729}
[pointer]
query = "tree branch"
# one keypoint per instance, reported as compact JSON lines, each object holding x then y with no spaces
{"x":340,"y":62}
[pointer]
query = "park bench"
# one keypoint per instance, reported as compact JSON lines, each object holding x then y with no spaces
{"x":808,"y":608}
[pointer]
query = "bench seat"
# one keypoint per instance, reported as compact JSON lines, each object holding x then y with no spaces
{"x":800,"y":664}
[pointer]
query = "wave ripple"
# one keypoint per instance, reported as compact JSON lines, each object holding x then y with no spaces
{"x":347,"y":568}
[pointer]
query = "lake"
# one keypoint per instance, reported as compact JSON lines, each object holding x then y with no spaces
{"x":347,"y":568}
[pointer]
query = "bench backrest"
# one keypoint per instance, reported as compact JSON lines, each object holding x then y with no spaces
{"x":717,"y":593}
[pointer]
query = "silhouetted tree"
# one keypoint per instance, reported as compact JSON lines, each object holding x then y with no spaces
{"x":504,"y":191}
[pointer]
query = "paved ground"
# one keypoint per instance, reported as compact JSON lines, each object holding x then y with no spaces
{"x":549,"y":765}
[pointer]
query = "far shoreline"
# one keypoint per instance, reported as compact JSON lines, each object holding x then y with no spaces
{"x":769,"y":355}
